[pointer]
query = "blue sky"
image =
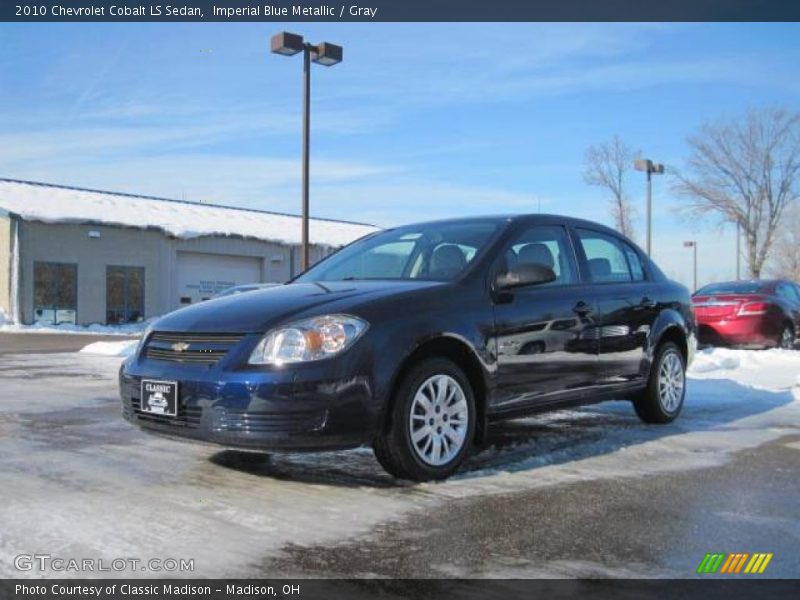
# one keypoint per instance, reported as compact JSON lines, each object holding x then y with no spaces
{"x":419,"y":121}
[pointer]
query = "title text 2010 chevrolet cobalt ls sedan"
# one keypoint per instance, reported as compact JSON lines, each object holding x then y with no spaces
{"x":415,"y":339}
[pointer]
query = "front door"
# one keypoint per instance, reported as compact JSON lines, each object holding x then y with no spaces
{"x":544,"y":333}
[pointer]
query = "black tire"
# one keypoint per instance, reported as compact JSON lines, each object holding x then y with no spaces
{"x":786,"y":337}
{"x":649,"y":405}
{"x":394,"y":448}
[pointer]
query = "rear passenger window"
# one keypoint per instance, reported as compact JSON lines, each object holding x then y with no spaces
{"x":606,"y":257}
{"x":788,"y":291}
{"x":634,"y":262}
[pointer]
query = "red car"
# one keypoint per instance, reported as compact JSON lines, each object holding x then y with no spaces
{"x":760,"y":313}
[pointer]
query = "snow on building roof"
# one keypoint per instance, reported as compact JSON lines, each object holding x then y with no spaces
{"x":48,"y":203}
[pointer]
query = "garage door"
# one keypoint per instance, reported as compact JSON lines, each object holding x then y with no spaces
{"x":201,"y":276}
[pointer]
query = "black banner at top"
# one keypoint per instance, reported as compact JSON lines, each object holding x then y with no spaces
{"x":397,"y":10}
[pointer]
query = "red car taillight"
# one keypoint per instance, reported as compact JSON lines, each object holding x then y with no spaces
{"x":753,"y":308}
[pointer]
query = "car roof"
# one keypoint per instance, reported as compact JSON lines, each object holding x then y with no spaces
{"x":519,"y":217}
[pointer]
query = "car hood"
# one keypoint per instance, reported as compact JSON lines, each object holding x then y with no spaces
{"x":258,"y":311}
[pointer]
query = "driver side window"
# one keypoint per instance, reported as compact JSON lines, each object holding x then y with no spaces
{"x":546,"y":245}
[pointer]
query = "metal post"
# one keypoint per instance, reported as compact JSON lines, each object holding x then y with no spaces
{"x":695,"y":265}
{"x":738,"y":250}
{"x":306,"y":145}
{"x":649,"y":207}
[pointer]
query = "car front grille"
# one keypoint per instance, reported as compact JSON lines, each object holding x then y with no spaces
{"x":231,"y":420}
{"x":285,"y":421}
{"x":194,"y":348}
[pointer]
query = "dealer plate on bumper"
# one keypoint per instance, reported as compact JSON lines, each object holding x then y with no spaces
{"x":160,"y":397}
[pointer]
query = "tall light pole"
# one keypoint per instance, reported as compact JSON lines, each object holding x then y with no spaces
{"x":693,"y":246}
{"x":327,"y":55}
{"x":738,"y":250}
{"x":649,"y":167}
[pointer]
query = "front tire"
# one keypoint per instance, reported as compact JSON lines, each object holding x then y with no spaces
{"x":432,"y":423}
{"x":662,"y":400}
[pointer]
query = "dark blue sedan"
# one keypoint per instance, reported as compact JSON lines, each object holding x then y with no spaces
{"x":414,"y":340}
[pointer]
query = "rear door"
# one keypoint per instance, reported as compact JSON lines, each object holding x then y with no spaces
{"x":541,"y":330}
{"x":627,"y":303}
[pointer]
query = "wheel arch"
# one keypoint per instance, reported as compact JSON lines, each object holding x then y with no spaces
{"x":458,"y":350}
{"x":670,"y":326}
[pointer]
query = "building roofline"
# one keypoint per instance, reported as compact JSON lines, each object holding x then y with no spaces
{"x":160,"y":199}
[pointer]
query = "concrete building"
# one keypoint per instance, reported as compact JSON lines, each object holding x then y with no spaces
{"x":70,"y":255}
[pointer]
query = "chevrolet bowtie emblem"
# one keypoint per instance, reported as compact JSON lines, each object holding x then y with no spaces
{"x":180,"y":347}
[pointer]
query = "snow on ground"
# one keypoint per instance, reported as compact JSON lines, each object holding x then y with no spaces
{"x":85,"y":482}
{"x":58,"y":204}
{"x":128,"y":329}
{"x":124,"y":348}
{"x":765,"y":369}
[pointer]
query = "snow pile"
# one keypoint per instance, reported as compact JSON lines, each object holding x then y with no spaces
{"x":128,"y":329}
{"x":775,"y":369}
{"x":714,"y":359}
{"x":124,"y":348}
{"x":53,"y":204}
{"x":3,"y":318}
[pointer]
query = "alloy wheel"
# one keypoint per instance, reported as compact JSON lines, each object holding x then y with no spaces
{"x":671,"y":381}
{"x":438,"y":420}
{"x":787,"y":338}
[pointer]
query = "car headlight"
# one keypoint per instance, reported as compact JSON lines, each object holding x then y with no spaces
{"x":310,"y":339}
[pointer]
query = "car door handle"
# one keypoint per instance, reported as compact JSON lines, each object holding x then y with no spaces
{"x":647,"y":303}
{"x":582,"y":308}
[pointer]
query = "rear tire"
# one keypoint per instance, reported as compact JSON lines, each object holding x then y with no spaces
{"x":786,"y":338}
{"x":662,"y":400}
{"x":432,"y":423}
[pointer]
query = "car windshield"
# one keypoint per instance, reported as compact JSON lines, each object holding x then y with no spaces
{"x":435,"y":251}
{"x":731,"y":287}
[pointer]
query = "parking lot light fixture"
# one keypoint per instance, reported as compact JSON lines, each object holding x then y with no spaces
{"x":693,"y":245}
{"x":287,"y":44}
{"x":327,"y":55}
{"x":651,"y":168}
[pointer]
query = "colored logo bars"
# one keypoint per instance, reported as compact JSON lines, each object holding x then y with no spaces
{"x":734,"y":563}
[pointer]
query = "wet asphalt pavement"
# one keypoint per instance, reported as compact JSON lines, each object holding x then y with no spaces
{"x":659,"y":526}
{"x":581,"y":493}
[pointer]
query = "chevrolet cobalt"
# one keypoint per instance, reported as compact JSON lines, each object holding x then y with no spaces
{"x":414,"y":340}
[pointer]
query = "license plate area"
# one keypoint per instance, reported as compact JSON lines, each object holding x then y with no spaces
{"x":159,"y":397}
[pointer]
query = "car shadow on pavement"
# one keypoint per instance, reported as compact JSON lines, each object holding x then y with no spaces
{"x":531,"y":443}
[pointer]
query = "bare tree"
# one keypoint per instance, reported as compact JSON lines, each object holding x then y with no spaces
{"x":745,"y":171}
{"x":785,"y":262}
{"x":607,"y":166}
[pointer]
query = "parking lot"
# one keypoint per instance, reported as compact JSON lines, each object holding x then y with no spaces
{"x":590,"y":492}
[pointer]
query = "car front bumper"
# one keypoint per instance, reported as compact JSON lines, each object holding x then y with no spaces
{"x":324,"y":405}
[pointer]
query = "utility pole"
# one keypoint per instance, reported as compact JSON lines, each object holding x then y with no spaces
{"x":693,"y":246}
{"x":649,"y":167}
{"x":327,"y":55}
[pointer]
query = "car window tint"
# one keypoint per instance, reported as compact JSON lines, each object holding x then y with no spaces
{"x":634,"y":262}
{"x":383,"y":261}
{"x":789,"y":292}
{"x":434,"y":251}
{"x":605,"y":257}
{"x":731,"y":287}
{"x":545,"y":245}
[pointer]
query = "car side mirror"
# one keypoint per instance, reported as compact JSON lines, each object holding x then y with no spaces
{"x":525,"y":274}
